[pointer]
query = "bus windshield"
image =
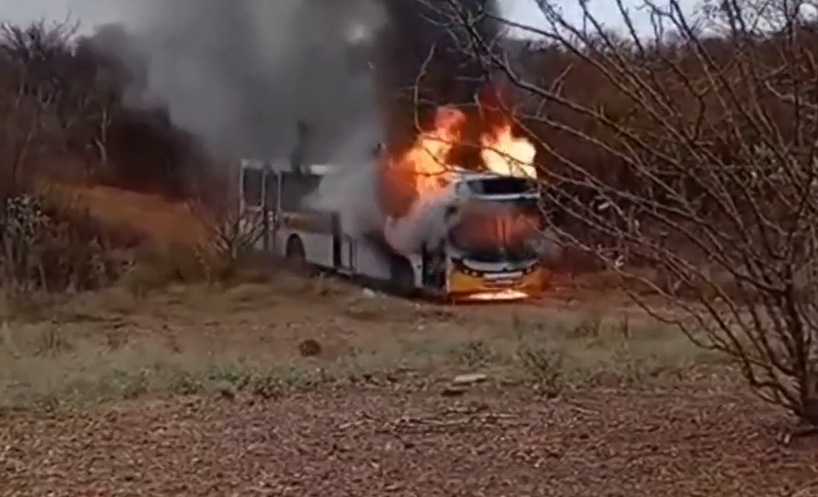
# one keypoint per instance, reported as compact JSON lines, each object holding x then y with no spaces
{"x":498,"y":230}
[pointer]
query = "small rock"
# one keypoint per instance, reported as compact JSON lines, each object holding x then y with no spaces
{"x":453,"y":391}
{"x":369,"y":293}
{"x":469,"y":379}
{"x":309,"y":348}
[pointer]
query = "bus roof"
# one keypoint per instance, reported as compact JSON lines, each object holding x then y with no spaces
{"x":285,"y":167}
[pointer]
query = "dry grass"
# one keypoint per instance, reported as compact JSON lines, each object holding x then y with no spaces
{"x":160,"y":222}
{"x":188,"y":339}
{"x":151,"y":241}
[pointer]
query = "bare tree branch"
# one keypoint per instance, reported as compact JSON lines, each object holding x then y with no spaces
{"x":693,"y":157}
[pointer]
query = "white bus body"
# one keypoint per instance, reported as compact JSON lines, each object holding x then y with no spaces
{"x":315,"y":238}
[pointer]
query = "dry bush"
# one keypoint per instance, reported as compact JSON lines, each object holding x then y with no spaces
{"x":52,"y":249}
{"x":691,"y":152}
{"x":232,"y":237}
{"x":202,"y":241}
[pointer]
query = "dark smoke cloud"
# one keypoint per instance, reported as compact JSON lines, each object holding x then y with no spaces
{"x":425,"y":37}
{"x":240,"y":74}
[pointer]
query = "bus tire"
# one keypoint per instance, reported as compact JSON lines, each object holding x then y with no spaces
{"x":402,"y":278}
{"x":296,"y":256}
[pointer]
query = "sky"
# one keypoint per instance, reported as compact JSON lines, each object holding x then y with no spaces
{"x":605,"y":11}
{"x":92,"y":12}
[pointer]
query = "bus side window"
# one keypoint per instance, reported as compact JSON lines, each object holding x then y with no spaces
{"x":271,"y":190}
{"x":252,"y":187}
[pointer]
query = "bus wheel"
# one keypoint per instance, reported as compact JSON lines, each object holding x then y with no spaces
{"x":402,"y":278}
{"x":296,"y":256}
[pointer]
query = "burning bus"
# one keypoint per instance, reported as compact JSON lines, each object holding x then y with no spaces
{"x":479,"y":240}
{"x":415,"y":218}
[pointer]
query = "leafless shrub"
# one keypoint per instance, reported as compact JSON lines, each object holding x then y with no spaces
{"x":45,"y":253}
{"x":693,"y":154}
{"x":231,"y":240}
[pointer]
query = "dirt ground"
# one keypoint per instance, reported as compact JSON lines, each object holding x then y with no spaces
{"x":318,"y":388}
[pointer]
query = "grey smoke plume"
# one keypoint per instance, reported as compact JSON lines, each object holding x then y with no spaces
{"x":241,"y":74}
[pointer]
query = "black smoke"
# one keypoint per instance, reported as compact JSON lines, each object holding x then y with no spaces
{"x":241,"y":74}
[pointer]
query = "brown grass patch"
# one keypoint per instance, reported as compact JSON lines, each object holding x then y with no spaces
{"x":158,"y":221}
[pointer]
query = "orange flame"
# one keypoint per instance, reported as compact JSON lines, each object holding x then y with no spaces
{"x":421,"y":174}
{"x":502,"y":152}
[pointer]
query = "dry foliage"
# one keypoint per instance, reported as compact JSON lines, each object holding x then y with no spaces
{"x":85,"y":178}
{"x":52,"y":248}
{"x":231,"y":237}
{"x":690,"y":150}
{"x":63,"y":98}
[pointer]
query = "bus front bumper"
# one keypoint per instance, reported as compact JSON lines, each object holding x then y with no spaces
{"x":477,"y":288}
